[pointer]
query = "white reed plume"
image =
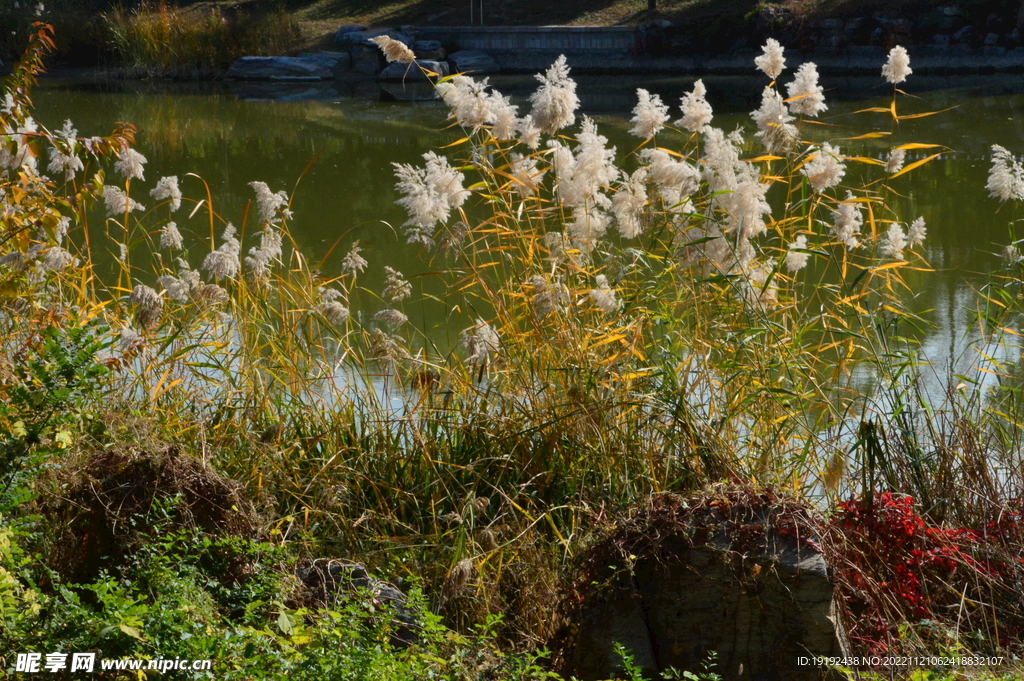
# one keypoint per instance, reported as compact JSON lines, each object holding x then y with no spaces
{"x":548,"y":297}
{"x":527,"y":177}
{"x":774,"y":122}
{"x":170,"y":237}
{"x":696,"y":110}
{"x":771,"y":61}
{"x":61,"y":230}
{"x":429,"y":195}
{"x":117,"y":202}
{"x":502,"y":116}
{"x":56,"y":259}
{"x":529,"y":133}
{"x":804,"y":92}
{"x":130,"y":339}
{"x":582,"y":175}
{"x":183,"y":287}
{"x":826,"y":169}
{"x":353,"y":263}
{"x":555,"y":101}
{"x":587,"y":227}
{"x":603,"y":296}
{"x":269,"y":203}
{"x":649,"y":115}
{"x":22,"y":156}
{"x":167,"y":188}
{"x":396,"y":288}
{"x":145,"y":297}
{"x":737,"y":188}
{"x":392,"y":319}
{"x":129,"y":163}
{"x":259,"y":259}
{"x":480,"y":341}
{"x":468,"y":100}
{"x":1011,"y":255}
{"x":795,"y":260}
{"x":917,"y":232}
{"x":897,"y":67}
{"x":68,"y":163}
{"x":394,"y":50}
{"x":1006,"y":177}
{"x":223,"y":263}
{"x":333,"y":311}
{"x":669,"y":173}
{"x":628,"y":202}
{"x":895,"y":162}
{"x":893,"y":243}
{"x":847,"y":219}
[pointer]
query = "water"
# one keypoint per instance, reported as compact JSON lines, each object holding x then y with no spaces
{"x":348,"y":192}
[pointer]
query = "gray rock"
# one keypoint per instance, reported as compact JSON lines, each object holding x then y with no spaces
{"x":992,"y":39}
{"x":399,"y":71}
{"x":329,"y":581}
{"x":429,"y":49}
{"x":294,"y":69}
{"x":367,"y":60}
{"x":339,"y":38}
{"x":941,"y":39}
{"x":337,"y":62}
{"x":747,"y":589}
{"x":474,"y":62}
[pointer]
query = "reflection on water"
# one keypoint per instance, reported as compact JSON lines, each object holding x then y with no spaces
{"x":231,"y":139}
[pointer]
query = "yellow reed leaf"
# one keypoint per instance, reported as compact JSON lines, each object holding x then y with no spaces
{"x":766,"y":157}
{"x":608,"y":339}
{"x":869,"y":136}
{"x":918,"y":145}
{"x":916,"y":164}
{"x":455,"y":143}
{"x":865,"y":159}
{"x":923,"y":115}
{"x":875,"y":109}
{"x":889,"y":266}
{"x":1010,"y":331}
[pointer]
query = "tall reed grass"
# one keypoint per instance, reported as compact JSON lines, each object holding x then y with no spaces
{"x":701,"y":309}
{"x":158,"y":39}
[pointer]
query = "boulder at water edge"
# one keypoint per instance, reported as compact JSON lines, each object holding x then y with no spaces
{"x":472,"y":62}
{"x":737,"y":573}
{"x":329,"y":581}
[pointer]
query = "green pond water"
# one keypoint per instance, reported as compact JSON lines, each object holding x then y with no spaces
{"x":348,"y":193}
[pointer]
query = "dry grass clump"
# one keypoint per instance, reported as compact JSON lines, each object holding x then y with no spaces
{"x":99,"y":510}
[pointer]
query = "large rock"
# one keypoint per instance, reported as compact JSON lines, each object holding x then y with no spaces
{"x":337,"y":62}
{"x":339,"y":37}
{"x":367,"y":60}
{"x":474,"y":62}
{"x":429,"y":49}
{"x":295,"y":69}
{"x":398,"y":71}
{"x":737,"y":573}
{"x":329,"y":581}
